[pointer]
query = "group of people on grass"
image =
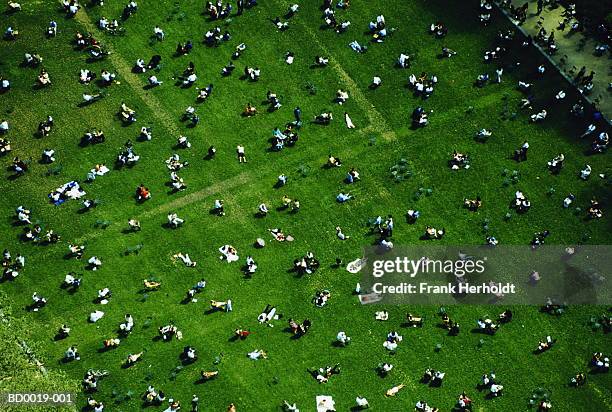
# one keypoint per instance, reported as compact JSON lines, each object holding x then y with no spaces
{"x":423,"y":85}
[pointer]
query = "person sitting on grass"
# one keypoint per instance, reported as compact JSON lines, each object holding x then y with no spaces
{"x":538,"y":117}
{"x":544,"y":406}
{"x":585,"y":173}
{"x":341,"y":96}
{"x":204,"y":93}
{"x":134,"y":225}
{"x":600,"y":143}
{"x":343,"y":197}
{"x":438,"y":29}
{"x":262,"y":209}
{"x":142,"y":193}
{"x":189,"y":354}
{"x":43,"y":78}
{"x":600,"y":362}
{"x":250,"y":110}
{"x":520,"y":203}
{"x":111,"y":343}
{"x":107,"y":77}
{"x":321,"y":297}
{"x":299,"y":329}
{"x":169,"y":331}
{"x":556,"y":164}
{"x":280,"y":25}
{"x":352,"y":176}
{"x":127,"y":114}
{"x":384,"y":369}
{"x":403,"y":61}
{"x":419,"y":117}
{"x":250,"y":267}
{"x":48,"y":156}
{"x":414,"y":321}
{"x":472,"y":204}
{"x":86,"y":76}
{"x":321,"y":61}
{"x":595,"y":211}
{"x":546,"y":344}
{"x":333,"y":161}
{"x":322,"y":375}
{"x":174,"y":221}
{"x":174,"y":163}
{"x":342,"y":338}
{"x":324,"y":118}
{"x":183,"y":142}
{"x":273,"y":101}
{"x":10,"y":33}
{"x":433,"y":233}
{"x":184,"y":49}
{"x":145,"y":133}
{"x":228,"y":69}
{"x":391,"y":343}
{"x":72,"y":353}
{"x":578,"y":380}
{"x":505,"y":316}
{"x":241,"y":154}
{"x":5,"y":146}
{"x":218,"y":208}
{"x":482,"y":79}
{"x":252,"y":73}
{"x":177,"y":182}
{"x":32,"y":59}
{"x":487,"y":326}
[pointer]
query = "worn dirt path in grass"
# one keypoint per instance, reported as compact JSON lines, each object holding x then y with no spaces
{"x":377,"y":122}
{"x":125,"y":71}
{"x":167,"y":121}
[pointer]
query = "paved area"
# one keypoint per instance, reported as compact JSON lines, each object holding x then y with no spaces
{"x":574,"y":51}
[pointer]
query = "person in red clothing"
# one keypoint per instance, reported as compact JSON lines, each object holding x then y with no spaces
{"x":242,"y":333}
{"x":143,"y":193}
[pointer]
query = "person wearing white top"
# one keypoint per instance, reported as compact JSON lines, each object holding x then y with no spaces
{"x":362,"y":402}
{"x":585,"y":173}
{"x":348,"y":121}
{"x":159,"y":33}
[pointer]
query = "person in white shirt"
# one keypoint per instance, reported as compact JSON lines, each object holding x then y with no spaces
{"x":241,"y":155}
{"x":498,"y":74}
{"x":289,"y":58}
{"x":585,"y":173}
{"x":341,"y":235}
{"x":153,"y":81}
{"x":4,"y":126}
{"x":159,"y":33}
{"x":342,"y":338}
{"x":362,"y":402}
{"x":403,"y":60}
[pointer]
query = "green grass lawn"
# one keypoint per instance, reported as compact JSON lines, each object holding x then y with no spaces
{"x":382,"y":137}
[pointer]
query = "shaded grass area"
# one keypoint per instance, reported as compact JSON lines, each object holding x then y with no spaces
{"x":373,"y":148}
